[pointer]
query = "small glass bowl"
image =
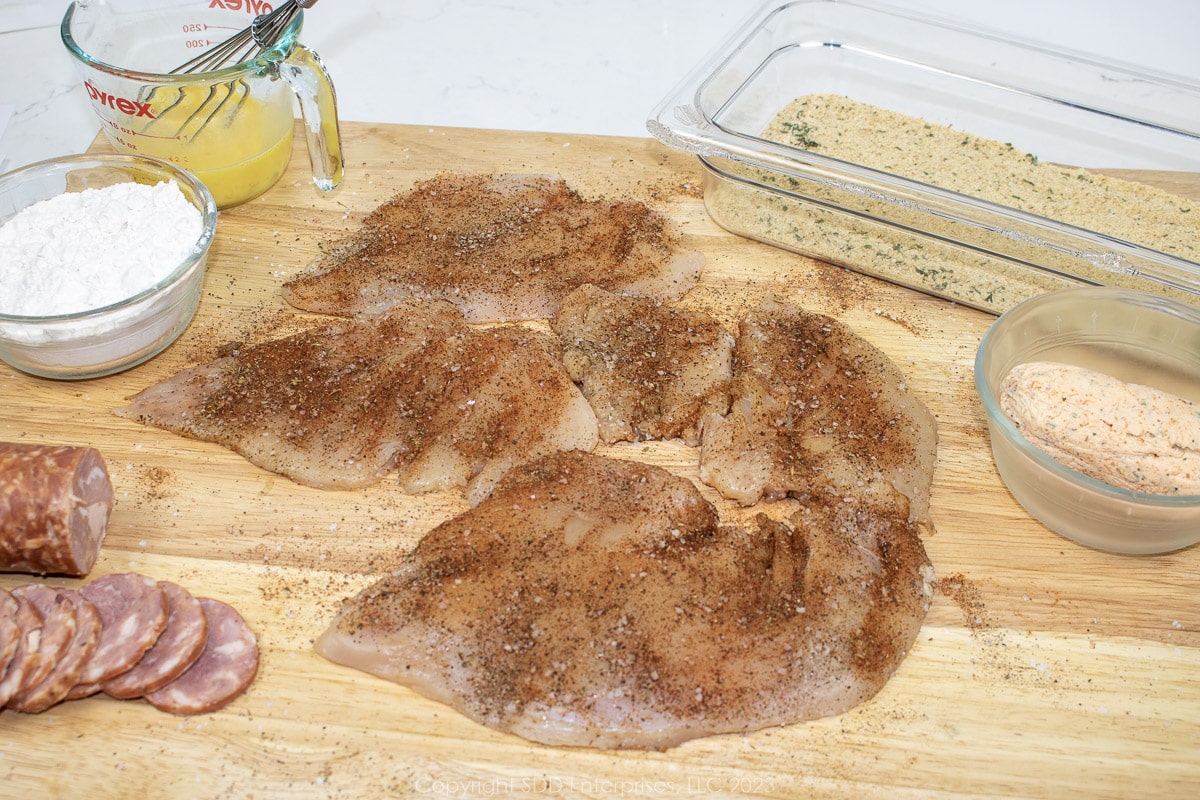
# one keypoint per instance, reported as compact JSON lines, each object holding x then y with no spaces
{"x":1135,"y":336}
{"x":115,"y":337}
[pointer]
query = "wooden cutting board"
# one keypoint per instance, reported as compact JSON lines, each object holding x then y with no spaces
{"x":1044,"y":669}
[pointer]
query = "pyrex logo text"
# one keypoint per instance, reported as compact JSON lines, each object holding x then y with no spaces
{"x":255,"y":7}
{"x":123,"y":104}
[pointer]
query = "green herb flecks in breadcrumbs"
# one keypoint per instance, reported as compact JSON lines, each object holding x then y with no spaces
{"x":988,"y":169}
{"x":799,"y":134}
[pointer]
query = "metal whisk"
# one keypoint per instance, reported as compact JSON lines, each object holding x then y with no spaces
{"x":263,"y":32}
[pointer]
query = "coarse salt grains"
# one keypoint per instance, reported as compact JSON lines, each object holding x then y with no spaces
{"x":79,"y":251}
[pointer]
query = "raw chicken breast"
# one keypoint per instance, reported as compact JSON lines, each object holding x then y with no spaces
{"x":649,"y":370}
{"x":598,"y":602}
{"x":415,"y":390}
{"x":817,"y":410}
{"x":500,"y":247}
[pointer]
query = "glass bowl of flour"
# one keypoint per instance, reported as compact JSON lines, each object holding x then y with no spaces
{"x":102,"y":259}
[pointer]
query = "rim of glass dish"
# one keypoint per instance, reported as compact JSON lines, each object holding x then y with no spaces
{"x":991,"y":406}
{"x":709,"y":138}
{"x":264,"y":60}
{"x":208,"y":217}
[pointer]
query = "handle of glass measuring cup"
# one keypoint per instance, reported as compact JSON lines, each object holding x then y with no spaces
{"x":304,"y":72}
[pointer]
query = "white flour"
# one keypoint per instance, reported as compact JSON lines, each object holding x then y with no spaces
{"x":83,"y":250}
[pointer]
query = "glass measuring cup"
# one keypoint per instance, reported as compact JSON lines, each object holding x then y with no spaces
{"x":231,"y":127}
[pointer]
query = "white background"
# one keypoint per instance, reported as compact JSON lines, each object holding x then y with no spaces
{"x":574,"y":66}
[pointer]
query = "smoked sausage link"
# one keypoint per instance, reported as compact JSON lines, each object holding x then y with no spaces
{"x":54,"y":507}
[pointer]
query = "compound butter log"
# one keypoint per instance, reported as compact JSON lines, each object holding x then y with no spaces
{"x":54,"y":507}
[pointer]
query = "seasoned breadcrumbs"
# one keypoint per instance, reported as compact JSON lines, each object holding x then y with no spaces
{"x":961,"y":162}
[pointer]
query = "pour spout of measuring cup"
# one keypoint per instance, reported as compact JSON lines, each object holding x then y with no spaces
{"x":229,"y":124}
{"x":308,"y":78}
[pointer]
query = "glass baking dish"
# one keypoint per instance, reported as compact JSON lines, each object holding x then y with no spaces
{"x":1061,"y":108}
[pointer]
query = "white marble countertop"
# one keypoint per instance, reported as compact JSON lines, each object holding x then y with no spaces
{"x":576,"y":66}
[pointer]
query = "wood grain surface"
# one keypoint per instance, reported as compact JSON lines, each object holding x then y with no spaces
{"x":1044,"y":669}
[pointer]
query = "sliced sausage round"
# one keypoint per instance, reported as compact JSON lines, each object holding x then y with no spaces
{"x":133,"y":613}
{"x":58,"y":629}
{"x":54,"y":508}
{"x":10,"y":631}
{"x":10,"y":637}
{"x":224,"y":670}
{"x":180,"y":644}
{"x":27,"y":656}
{"x":65,"y":674}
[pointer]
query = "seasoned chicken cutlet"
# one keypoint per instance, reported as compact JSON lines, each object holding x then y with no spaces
{"x":650,"y":371}
{"x":598,"y":602}
{"x":816,"y":410}
{"x":500,"y":247}
{"x":416,"y":390}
